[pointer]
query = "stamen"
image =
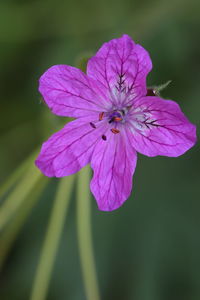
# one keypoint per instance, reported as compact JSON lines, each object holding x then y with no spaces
{"x":101,"y":115}
{"x":117,"y":119}
{"x":92,"y":124}
{"x":104,"y":137}
{"x":114,"y":130}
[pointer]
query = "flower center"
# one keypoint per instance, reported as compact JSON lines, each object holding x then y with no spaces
{"x":116,"y":116}
{"x":113,"y":118}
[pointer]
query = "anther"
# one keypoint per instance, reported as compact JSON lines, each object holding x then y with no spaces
{"x":92,"y":124}
{"x":101,"y":115}
{"x":114,"y":130}
{"x":104,"y":137}
{"x":117,"y":119}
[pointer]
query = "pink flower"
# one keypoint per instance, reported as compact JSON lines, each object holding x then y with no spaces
{"x":115,"y":120}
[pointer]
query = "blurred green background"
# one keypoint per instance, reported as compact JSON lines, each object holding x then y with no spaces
{"x":149,"y":249}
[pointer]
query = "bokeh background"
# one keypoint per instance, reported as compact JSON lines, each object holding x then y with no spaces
{"x":149,"y":249}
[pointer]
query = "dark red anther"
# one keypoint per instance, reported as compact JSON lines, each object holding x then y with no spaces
{"x":104,"y":137}
{"x":114,"y":130}
{"x":92,"y":125}
{"x":101,"y":115}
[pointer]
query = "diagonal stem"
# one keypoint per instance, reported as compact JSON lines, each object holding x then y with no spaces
{"x":13,"y":228}
{"x":52,"y":239}
{"x":18,"y":195}
{"x":16,"y":174}
{"x":85,"y":236}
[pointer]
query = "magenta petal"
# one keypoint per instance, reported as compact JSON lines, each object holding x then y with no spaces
{"x":121,"y":57}
{"x":69,"y":92}
{"x":171,"y":133}
{"x":113,"y":162}
{"x":68,"y":150}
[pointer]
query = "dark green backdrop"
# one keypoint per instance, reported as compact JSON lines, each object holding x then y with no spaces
{"x":149,"y":249}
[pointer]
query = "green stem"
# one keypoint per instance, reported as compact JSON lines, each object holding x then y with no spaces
{"x":52,"y":239}
{"x":85,"y":236}
{"x":16,"y":174}
{"x":15,"y":199}
{"x":11,"y":231}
